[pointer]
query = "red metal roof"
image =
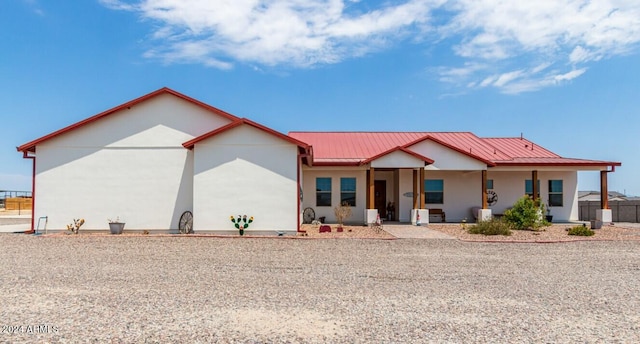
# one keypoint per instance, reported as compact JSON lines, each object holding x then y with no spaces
{"x":355,"y":148}
{"x":31,"y":146}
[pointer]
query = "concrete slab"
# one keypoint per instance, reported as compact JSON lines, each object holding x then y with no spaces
{"x":415,"y":232}
{"x":15,"y":228}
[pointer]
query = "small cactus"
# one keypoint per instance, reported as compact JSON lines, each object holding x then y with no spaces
{"x":75,"y":226}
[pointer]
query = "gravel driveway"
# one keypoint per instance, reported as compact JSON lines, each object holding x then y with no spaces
{"x":172,"y":289}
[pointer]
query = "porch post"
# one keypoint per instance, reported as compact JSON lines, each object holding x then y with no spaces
{"x":534,"y":184}
{"x":485,"y":204}
{"x":604,"y":214}
{"x":421,"y":186}
{"x":484,"y":214}
{"x":371,"y":213}
{"x":604,"y":191}
{"x":367,"y":195}
{"x":419,"y":215}
{"x":372,"y":189}
{"x":415,"y":189}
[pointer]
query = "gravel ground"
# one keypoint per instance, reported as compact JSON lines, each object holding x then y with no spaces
{"x":125,"y":289}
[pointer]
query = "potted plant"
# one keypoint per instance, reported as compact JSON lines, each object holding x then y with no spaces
{"x":116,"y":226}
{"x":549,"y":217}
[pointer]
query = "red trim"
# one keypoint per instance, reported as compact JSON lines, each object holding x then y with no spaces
{"x":402,"y":149}
{"x":298,"y":193}
{"x":351,"y":163}
{"x":440,"y":142}
{"x":575,"y":164}
{"x":191,"y":143}
{"x":31,"y":146}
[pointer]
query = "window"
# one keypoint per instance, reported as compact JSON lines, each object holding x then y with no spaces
{"x":348,"y":191}
{"x":528,"y":188}
{"x":323,"y":192}
{"x":489,"y":184}
{"x":555,"y":193}
{"x":434,"y":191}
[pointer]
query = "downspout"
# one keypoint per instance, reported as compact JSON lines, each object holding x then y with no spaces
{"x":298,"y":192}
{"x":307,"y":154}
{"x":33,"y":187}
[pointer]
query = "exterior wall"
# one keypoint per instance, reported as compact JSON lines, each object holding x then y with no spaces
{"x":309,"y":187}
{"x":130,"y":165}
{"x":405,"y":195}
{"x":462,"y":192}
{"x":399,"y":190}
{"x":446,"y":158}
{"x":245,"y":171}
{"x":510,"y":186}
{"x":397,"y":159}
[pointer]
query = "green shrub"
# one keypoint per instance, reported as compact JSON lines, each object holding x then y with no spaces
{"x":525,"y":214}
{"x":581,"y":231}
{"x":490,"y":227}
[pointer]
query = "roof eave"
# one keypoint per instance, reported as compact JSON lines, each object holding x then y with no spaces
{"x":574,"y":164}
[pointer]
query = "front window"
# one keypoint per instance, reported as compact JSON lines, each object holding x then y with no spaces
{"x":323,"y":192}
{"x":555,"y":193}
{"x":434,"y":191}
{"x":489,"y":184}
{"x":348,"y":191}
{"x":528,"y":188}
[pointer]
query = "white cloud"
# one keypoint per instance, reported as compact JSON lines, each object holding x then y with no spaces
{"x":569,"y":75}
{"x":518,"y":35}
{"x":35,"y":7}
{"x":286,"y":32}
{"x":494,"y":38}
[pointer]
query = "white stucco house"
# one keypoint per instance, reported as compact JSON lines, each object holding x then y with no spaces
{"x":150,"y":160}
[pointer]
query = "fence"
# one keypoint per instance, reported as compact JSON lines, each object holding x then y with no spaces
{"x":19,"y":203}
{"x":621,"y":211}
{"x":15,"y":200}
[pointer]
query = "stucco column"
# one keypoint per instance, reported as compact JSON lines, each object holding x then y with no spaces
{"x":484,"y":214}
{"x":604,"y":214}
{"x":371,"y":213}
{"x":534,"y":184}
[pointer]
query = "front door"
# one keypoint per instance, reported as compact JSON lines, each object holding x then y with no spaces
{"x":380,"y":197}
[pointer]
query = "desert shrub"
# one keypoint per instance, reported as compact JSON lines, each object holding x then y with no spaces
{"x":525,"y":214}
{"x":342,"y":212}
{"x":490,"y":227}
{"x":581,"y":231}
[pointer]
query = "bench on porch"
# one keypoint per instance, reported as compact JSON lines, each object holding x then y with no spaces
{"x":437,"y":215}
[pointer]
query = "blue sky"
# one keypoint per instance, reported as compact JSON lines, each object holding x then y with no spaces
{"x":564,"y":73}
